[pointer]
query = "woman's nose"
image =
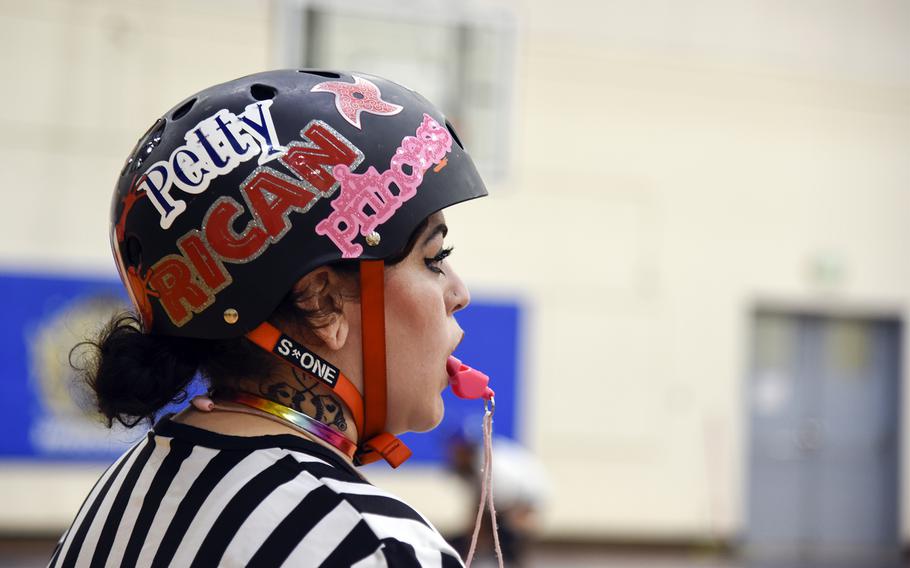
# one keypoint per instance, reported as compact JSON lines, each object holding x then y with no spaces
{"x":457,"y":297}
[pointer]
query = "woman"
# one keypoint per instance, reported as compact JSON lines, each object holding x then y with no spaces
{"x":281,"y":235}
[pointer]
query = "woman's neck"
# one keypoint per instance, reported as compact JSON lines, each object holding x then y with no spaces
{"x":290,"y":388}
{"x":297,"y":390}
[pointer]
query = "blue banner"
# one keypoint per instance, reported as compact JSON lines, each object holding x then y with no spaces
{"x":46,"y":414}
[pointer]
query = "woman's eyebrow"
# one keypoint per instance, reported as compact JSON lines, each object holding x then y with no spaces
{"x":440,"y":229}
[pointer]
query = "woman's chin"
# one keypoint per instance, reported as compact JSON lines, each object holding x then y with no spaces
{"x":432,"y":419}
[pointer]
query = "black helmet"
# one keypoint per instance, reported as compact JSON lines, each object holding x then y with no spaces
{"x":245,"y":187}
{"x":239,"y":191}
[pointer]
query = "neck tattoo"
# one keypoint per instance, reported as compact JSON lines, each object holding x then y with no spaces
{"x":300,"y":394}
{"x":288,"y":416}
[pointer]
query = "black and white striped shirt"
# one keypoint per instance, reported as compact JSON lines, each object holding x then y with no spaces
{"x":183,"y":496}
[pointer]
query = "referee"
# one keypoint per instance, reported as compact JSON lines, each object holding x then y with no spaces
{"x":281,"y":237}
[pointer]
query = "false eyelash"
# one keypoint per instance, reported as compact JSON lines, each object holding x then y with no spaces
{"x":443,"y":254}
{"x":440,"y":256}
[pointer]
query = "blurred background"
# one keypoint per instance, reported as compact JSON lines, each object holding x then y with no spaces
{"x":693,"y":256}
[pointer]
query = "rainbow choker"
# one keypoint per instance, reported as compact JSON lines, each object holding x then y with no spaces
{"x":291,"y":417}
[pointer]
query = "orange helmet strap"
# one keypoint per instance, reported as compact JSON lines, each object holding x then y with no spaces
{"x":375,"y":440}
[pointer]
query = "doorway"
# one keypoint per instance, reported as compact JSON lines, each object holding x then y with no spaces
{"x":824,"y":408}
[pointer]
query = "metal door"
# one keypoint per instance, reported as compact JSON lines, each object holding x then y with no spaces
{"x":823,"y":457}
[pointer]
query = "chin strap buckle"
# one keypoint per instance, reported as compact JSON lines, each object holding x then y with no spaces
{"x":384,"y":446}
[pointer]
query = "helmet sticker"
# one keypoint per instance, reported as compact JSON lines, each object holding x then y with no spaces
{"x":314,"y":159}
{"x":181,"y":294}
{"x":126,"y":204}
{"x":372,"y":190}
{"x":214,"y":147}
{"x":186,"y":283}
{"x":136,"y":287}
{"x":207,"y":264}
{"x":353,"y":98}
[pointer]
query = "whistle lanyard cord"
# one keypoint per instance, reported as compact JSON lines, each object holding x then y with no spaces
{"x":486,"y":488}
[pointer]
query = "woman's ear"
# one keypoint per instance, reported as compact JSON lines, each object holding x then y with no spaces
{"x":335,"y":333}
{"x":319,"y":292}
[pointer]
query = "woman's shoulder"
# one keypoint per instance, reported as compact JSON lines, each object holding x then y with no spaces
{"x":328,"y":492}
{"x":180,"y":495}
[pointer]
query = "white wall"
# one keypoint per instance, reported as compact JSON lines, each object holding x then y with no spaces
{"x":82,"y":80}
{"x":674,"y":165}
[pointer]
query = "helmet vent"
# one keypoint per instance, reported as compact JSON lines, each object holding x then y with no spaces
{"x":326,"y":74}
{"x":144,"y":146}
{"x":183,"y":109}
{"x":262,"y":92}
{"x":133,"y":251}
{"x":455,"y":136}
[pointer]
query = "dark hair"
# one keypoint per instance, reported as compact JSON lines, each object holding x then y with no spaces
{"x":133,"y":375}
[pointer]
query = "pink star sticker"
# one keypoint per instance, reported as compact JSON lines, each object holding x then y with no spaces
{"x":353,"y":98}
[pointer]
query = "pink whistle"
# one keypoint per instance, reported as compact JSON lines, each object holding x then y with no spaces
{"x":467,"y":382}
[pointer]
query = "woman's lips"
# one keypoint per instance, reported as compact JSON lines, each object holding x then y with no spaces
{"x":452,"y":365}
